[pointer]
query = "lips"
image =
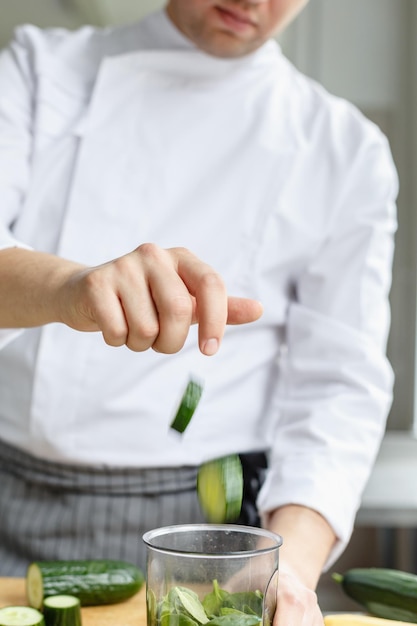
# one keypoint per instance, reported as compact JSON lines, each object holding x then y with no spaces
{"x":235,"y":19}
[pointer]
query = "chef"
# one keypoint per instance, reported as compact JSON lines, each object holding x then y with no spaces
{"x":178,"y":200}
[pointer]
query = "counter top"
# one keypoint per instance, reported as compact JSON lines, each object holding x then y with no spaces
{"x":129,"y":613}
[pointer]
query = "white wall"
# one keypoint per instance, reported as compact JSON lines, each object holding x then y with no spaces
{"x":70,"y":13}
{"x":115,"y":11}
{"x":40,"y":12}
{"x":360,"y":51}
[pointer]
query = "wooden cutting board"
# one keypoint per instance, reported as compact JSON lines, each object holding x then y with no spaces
{"x":129,"y":613}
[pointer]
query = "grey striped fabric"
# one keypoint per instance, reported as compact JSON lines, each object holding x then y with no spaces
{"x":55,"y":511}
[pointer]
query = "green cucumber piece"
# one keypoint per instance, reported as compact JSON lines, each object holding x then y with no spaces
{"x":386,"y":593}
{"x":63,"y":610}
{"x":220,"y":489}
{"x":189,"y":402}
{"x":93,"y":582}
{"x":20,"y":616}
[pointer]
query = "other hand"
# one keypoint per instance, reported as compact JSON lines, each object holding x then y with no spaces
{"x":296,"y":604}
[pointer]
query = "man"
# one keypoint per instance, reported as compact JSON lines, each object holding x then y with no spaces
{"x":189,"y":129}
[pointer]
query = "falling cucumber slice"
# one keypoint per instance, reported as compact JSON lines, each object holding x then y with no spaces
{"x":220,"y":489}
{"x":189,"y":402}
{"x":62,"y":610}
{"x":20,"y":616}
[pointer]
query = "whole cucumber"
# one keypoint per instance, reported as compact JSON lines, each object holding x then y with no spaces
{"x":349,"y":619}
{"x":93,"y":582}
{"x":387,"y":593}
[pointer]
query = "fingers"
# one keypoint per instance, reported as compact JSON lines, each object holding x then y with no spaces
{"x":184,"y":287}
{"x":211,"y":306}
{"x":172,"y":301}
{"x":296,"y":604}
{"x":151,"y":296}
{"x":152,"y":308}
{"x":243,"y":310}
{"x":214,"y":309}
{"x":111,"y":320}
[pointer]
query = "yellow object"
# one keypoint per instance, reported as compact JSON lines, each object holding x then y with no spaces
{"x":346,"y":619}
{"x":220,"y":488}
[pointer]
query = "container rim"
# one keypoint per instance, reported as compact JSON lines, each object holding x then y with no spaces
{"x":151,"y":536}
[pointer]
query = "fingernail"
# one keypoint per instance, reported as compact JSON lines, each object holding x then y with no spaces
{"x":210,"y":347}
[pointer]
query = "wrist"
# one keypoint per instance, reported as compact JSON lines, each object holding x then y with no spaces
{"x":307,"y":541}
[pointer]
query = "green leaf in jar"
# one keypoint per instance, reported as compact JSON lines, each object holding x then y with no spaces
{"x":182,"y":607}
{"x":246,"y":601}
{"x":227,"y":610}
{"x":176,"y":619}
{"x":213,"y":601}
{"x":151,"y":607}
{"x":235,"y":619}
{"x":189,"y":601}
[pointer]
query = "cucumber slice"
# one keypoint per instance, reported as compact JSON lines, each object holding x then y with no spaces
{"x":20,"y":616}
{"x":189,"y":402}
{"x":220,"y":489}
{"x":62,"y":610}
{"x":61,"y":602}
{"x":92,"y":582}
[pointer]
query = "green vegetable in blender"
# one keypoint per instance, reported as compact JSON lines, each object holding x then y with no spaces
{"x":182,"y":607}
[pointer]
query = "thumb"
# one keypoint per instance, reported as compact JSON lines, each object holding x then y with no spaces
{"x":239,"y":310}
{"x":243,"y":310}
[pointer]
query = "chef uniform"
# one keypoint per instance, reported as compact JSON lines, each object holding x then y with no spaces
{"x":111,"y":138}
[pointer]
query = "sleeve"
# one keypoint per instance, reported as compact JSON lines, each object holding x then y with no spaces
{"x":16,"y":114}
{"x":336,"y":382}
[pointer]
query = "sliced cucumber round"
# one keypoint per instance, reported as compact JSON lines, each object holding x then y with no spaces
{"x":189,"y":402}
{"x":62,"y":610}
{"x":220,"y":489}
{"x":20,"y":616}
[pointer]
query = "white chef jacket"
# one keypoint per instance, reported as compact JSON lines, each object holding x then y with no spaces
{"x":111,"y":138}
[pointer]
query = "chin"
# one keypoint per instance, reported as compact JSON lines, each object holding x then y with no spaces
{"x":226,"y":46}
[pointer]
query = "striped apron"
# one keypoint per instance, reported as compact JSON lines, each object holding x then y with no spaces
{"x":54,"y":511}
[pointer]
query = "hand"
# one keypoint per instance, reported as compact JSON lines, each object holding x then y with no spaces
{"x":296,"y":604}
{"x":150,"y":297}
{"x":301,"y":562}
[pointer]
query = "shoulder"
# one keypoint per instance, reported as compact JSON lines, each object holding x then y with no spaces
{"x":38,"y":41}
{"x":336,"y":140}
{"x":340,"y":155}
{"x":340,"y":128}
{"x":78,"y":50}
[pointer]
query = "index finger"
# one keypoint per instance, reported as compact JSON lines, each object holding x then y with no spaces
{"x":213,"y":308}
{"x":211,"y":300}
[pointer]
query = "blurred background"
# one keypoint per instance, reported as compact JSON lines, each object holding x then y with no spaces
{"x":365,"y":51}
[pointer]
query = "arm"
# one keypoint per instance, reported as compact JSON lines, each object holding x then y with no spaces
{"x":336,"y":383}
{"x":147,"y":298}
{"x":308,"y":540}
